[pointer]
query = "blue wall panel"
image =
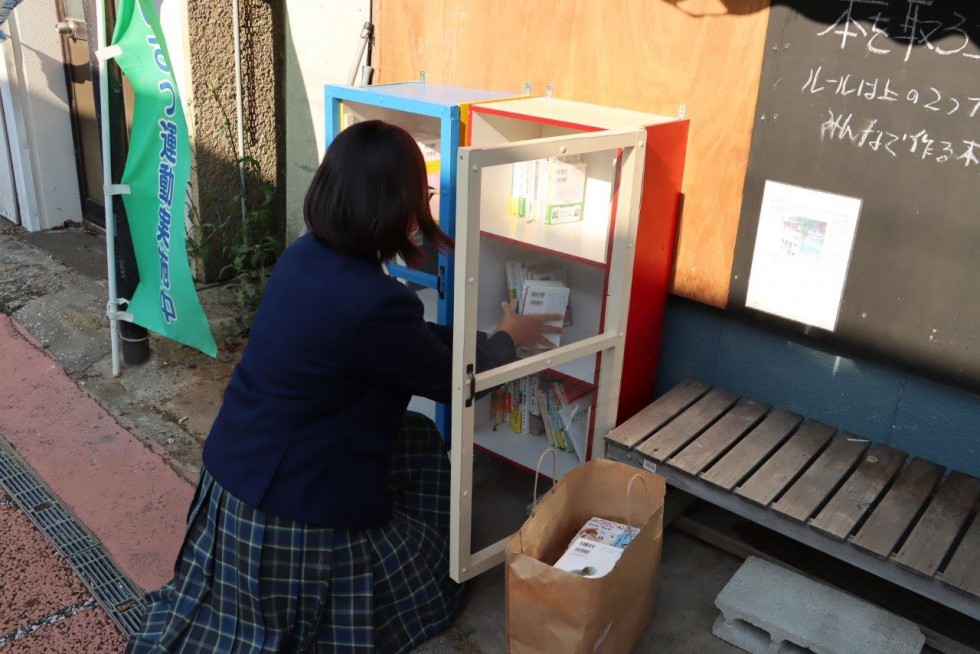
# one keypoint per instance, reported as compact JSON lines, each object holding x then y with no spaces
{"x":869,"y":399}
{"x":689,"y":345}
{"x":939,"y":423}
{"x":853,"y":396}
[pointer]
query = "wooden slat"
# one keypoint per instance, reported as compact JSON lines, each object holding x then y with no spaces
{"x":664,"y":409}
{"x":932,"y":537}
{"x":795,"y":455}
{"x":677,"y":433}
{"x":751,"y":450}
{"x":811,"y":490}
{"x":860,"y":491}
{"x":890,"y":520}
{"x":703,"y":450}
{"x":963,"y":571}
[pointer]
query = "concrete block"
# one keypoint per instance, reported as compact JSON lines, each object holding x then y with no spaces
{"x":767,"y":609}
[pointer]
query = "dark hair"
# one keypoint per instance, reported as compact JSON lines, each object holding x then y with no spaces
{"x":369,"y":193}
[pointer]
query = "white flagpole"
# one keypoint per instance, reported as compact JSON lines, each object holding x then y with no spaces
{"x":112,"y":308}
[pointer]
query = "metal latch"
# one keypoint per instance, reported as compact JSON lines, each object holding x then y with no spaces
{"x":67,"y":28}
{"x":471,"y":382}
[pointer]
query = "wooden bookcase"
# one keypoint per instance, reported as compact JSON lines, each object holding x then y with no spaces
{"x":616,"y":260}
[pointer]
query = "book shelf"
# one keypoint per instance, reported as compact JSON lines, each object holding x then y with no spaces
{"x":616,"y":260}
{"x":615,"y":256}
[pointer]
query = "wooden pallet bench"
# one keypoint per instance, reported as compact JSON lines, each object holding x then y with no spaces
{"x":901,"y":518}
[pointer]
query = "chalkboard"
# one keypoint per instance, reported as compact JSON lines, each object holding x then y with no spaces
{"x":880,"y":100}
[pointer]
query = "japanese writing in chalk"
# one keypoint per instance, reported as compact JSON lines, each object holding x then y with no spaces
{"x":897,"y":112}
{"x":891,"y":141}
{"x":869,"y":24}
{"x":882,"y":89}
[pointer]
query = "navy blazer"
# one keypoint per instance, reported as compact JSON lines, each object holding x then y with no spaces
{"x":334,"y":355}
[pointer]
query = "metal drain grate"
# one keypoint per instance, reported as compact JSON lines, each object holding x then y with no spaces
{"x":112,"y":589}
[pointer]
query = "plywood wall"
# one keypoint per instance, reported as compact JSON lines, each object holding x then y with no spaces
{"x":648,"y":55}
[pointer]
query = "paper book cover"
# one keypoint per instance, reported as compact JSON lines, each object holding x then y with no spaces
{"x":545,"y":415}
{"x":607,"y":532}
{"x":550,"y":272}
{"x":571,"y":390}
{"x":556,"y":424}
{"x":430,"y":145}
{"x":589,"y":558}
{"x":540,"y":297}
{"x":525,"y":384}
{"x":516,"y":424}
{"x":576,"y":422}
{"x":564,"y":196}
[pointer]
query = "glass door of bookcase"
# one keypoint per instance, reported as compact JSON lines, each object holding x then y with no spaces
{"x":548,"y":225}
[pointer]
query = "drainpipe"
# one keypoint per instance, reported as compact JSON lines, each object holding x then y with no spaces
{"x":239,"y":114}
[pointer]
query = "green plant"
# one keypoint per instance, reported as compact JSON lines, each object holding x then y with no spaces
{"x":240,"y":224}
{"x":256,"y":246}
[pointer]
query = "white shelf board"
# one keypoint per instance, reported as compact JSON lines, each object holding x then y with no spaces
{"x":577,"y":113}
{"x":522,"y":449}
{"x":582,"y":368}
{"x":581,"y":240}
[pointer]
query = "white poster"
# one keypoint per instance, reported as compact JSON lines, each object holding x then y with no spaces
{"x":801,"y":255}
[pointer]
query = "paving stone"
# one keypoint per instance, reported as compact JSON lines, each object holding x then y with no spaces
{"x":89,"y":631}
{"x":35,"y":581}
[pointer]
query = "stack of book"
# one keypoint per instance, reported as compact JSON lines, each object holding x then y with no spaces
{"x":565,"y":407}
{"x":557,"y":408}
{"x":549,"y":191}
{"x":540,"y":288}
{"x":596,"y":548}
{"x":512,"y":405}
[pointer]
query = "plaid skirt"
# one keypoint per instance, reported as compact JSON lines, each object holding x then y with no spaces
{"x":247,"y":581}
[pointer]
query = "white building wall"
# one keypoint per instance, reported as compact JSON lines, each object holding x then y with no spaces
{"x":322,"y":41}
{"x":35,"y":97}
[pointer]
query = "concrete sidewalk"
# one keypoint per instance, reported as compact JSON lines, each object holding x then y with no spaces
{"x":123,"y":455}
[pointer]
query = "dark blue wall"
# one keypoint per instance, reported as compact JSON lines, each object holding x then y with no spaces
{"x":887,"y":405}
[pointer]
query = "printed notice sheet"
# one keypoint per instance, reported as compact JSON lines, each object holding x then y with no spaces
{"x":802,"y":252}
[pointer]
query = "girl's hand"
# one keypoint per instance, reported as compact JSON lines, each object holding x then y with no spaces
{"x":527,"y":331}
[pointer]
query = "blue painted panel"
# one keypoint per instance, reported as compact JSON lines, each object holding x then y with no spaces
{"x":689,"y":346}
{"x":855,"y":396}
{"x":415,"y":276}
{"x":449,"y":96}
{"x":939,"y":423}
{"x":415,"y":97}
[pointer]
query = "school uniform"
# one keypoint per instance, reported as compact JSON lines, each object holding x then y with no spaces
{"x":321,"y":520}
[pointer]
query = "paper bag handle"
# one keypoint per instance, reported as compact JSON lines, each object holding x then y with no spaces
{"x":629,"y":498}
{"x":537,"y":471}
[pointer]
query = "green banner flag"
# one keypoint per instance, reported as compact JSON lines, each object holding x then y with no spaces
{"x":157,"y":172}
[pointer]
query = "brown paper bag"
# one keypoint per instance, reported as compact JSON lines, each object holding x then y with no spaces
{"x":550,"y":610}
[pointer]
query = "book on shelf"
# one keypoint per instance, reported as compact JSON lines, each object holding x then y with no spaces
{"x":540,"y":297}
{"x":521,"y":275}
{"x":537,"y":405}
{"x":549,"y":191}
